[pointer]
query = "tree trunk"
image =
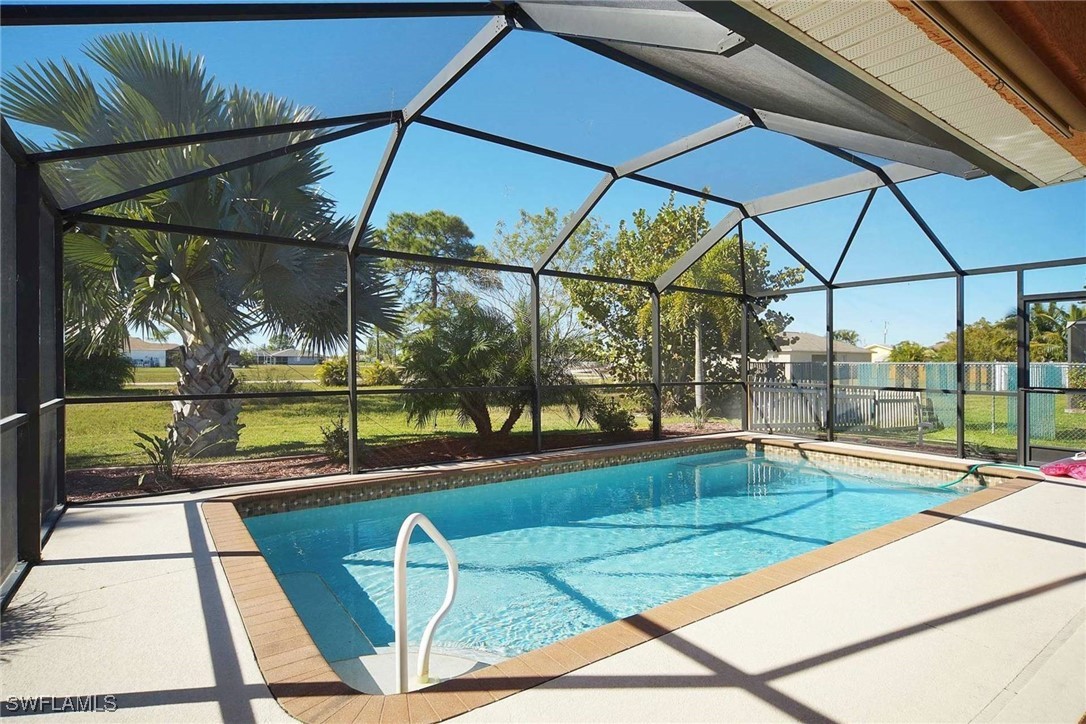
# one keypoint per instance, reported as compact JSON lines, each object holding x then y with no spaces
{"x":433,"y":288}
{"x":514,"y":415}
{"x":699,"y":366}
{"x":474,"y":406}
{"x":207,"y":427}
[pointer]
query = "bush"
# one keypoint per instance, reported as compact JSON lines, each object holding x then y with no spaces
{"x":165,"y":457}
{"x":267,"y":381}
{"x":612,"y":417}
{"x":332,"y":372}
{"x":379,"y":374}
{"x":246,"y":358}
{"x":97,"y":372}
{"x":336,"y":441}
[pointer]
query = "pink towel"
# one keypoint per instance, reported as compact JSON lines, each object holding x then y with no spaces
{"x":1074,"y":467}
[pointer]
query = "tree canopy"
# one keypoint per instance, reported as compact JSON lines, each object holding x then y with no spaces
{"x":207,"y":291}
{"x":434,"y":233}
{"x":619,"y":319}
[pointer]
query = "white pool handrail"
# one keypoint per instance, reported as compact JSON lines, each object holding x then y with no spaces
{"x":399,"y":590}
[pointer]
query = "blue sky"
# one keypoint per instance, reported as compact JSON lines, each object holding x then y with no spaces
{"x":546,"y":91}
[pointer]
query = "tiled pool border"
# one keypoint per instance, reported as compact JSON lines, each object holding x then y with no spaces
{"x":308,"y":689}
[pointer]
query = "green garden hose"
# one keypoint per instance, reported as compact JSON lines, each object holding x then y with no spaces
{"x":978,"y":466}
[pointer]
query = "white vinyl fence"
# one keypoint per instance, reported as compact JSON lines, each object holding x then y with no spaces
{"x":801,"y":407}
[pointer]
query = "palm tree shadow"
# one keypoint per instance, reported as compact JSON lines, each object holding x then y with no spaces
{"x":26,"y":623}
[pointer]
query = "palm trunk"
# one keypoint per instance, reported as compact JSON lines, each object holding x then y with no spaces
{"x":206,"y":427}
{"x":475,"y":407}
{"x":514,"y":415}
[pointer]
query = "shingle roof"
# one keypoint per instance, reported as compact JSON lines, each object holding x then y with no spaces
{"x":807,"y":342}
{"x":135,"y":344}
{"x":292,"y":352}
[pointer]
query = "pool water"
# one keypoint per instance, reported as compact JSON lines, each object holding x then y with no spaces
{"x":545,"y":558}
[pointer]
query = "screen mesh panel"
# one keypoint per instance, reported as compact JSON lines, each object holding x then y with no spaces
{"x":326,"y":67}
{"x":546,"y":91}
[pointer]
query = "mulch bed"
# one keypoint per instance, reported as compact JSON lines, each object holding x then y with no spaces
{"x":92,"y":484}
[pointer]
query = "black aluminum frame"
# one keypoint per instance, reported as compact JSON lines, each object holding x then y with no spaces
{"x":505,"y":17}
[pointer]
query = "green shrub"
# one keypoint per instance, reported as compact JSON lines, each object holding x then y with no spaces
{"x":165,"y":456}
{"x":336,"y":441}
{"x":612,"y":417}
{"x":379,"y":374}
{"x":332,"y":372}
{"x":246,"y":358}
{"x":268,"y":380}
{"x":98,"y":372}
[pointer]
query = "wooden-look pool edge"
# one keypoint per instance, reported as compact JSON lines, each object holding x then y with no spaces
{"x":307,"y":687}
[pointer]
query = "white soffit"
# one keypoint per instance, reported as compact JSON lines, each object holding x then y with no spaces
{"x":876,"y":38}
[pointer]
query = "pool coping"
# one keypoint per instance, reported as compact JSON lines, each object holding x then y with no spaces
{"x":307,"y":688}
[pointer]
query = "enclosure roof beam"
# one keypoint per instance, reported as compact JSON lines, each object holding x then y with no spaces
{"x":379,"y":177}
{"x":795,"y":254}
{"x":461,"y":63}
{"x":852,"y":234}
{"x":511,"y":143}
{"x":823,"y":191}
{"x":834,"y":188}
{"x":935,"y":159}
{"x":658,"y":27}
{"x":145,"y":13}
{"x":975,"y":271}
{"x":694,"y":141}
{"x":595,"y":278}
{"x":700,"y":249}
{"x":707,"y":292}
{"x":689,"y":143}
{"x":680,"y":189}
{"x":905,"y":203}
{"x":121,"y":222}
{"x":226,"y":134}
{"x":203,"y":231}
{"x":221,"y":168}
{"x":570,"y":158}
{"x":474,"y":51}
{"x":574,"y":221}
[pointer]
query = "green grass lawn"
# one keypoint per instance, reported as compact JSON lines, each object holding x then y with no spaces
{"x":155,"y":375}
{"x":101,"y":435}
{"x":986,"y":426}
{"x":163,"y":380}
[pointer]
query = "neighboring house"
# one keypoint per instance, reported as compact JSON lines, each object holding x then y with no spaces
{"x":801,"y":357}
{"x":151,"y":354}
{"x":163,"y":354}
{"x":263,"y":356}
{"x":879,"y":352}
{"x":807,"y":347}
{"x":292,"y":356}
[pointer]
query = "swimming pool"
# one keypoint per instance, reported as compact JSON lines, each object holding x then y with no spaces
{"x":545,"y":558}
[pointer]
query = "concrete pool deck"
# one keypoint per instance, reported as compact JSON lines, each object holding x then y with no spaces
{"x":978,"y":617}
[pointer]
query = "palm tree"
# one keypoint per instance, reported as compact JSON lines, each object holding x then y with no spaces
{"x":208,"y":291}
{"x":1048,"y":330}
{"x":470,"y":344}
